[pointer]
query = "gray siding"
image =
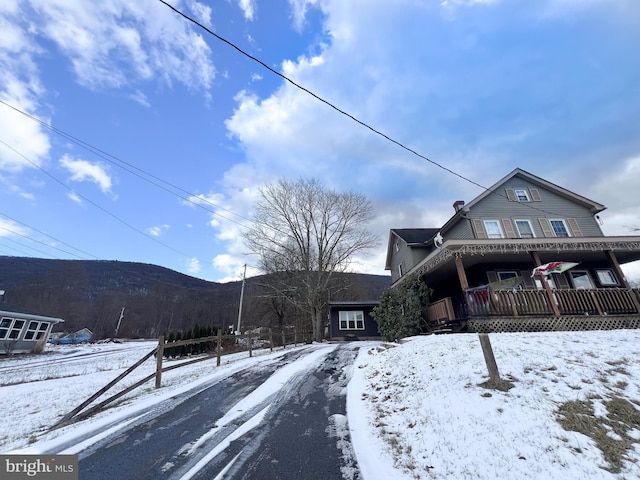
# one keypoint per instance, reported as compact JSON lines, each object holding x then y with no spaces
{"x":407,"y":256}
{"x":550,"y":206}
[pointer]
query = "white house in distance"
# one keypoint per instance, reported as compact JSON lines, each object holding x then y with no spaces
{"x":20,"y":331}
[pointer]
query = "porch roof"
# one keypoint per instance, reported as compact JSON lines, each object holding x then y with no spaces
{"x":440,"y":262}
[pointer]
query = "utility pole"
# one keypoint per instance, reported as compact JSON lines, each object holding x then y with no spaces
{"x":119,"y":321}
{"x":244,"y":275}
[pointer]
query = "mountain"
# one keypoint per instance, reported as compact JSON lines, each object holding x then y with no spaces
{"x":92,"y":293}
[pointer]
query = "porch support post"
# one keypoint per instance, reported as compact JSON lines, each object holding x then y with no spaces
{"x":545,"y":284}
{"x":613,"y":260}
{"x":620,"y":274}
{"x":552,"y":299}
{"x":462,"y":276}
{"x":536,"y":258}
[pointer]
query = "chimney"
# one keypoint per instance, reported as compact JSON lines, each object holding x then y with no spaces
{"x":457,"y":205}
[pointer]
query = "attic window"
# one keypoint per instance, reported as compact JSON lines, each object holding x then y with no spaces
{"x":522,"y":195}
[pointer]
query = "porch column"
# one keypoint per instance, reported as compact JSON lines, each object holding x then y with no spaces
{"x":616,"y":267}
{"x":536,"y":258}
{"x":462,"y":275}
{"x":620,"y":274}
{"x":545,"y":285}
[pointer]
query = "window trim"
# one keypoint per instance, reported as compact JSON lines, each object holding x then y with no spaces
{"x":611,"y":274}
{"x":498,"y":224}
{"x":564,"y":224}
{"x":515,"y":222}
{"x":351,"y":321}
{"x":524,"y":191}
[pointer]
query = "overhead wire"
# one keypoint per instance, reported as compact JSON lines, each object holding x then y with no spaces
{"x":104,"y":210}
{"x":339,"y":110}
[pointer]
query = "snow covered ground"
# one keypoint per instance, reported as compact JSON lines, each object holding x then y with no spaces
{"x":415,"y":410}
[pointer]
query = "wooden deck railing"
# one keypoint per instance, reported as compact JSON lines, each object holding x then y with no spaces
{"x":602,"y":301}
{"x":441,"y":311}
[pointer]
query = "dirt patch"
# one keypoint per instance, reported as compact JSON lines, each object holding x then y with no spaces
{"x":610,"y":432}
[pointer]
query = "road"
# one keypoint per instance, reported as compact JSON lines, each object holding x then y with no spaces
{"x":279,"y":419}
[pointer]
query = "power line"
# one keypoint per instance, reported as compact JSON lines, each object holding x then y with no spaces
{"x":104,"y":210}
{"x":129,"y":167}
{"x":339,"y":110}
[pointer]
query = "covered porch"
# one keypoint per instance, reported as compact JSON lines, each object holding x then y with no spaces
{"x":462,"y":274}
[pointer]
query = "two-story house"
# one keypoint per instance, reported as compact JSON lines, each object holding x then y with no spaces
{"x":479,"y":264}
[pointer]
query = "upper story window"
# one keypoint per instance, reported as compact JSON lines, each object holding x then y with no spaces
{"x":559,"y":228}
{"x":493,"y":228}
{"x":525,"y":230}
{"x":521,"y":194}
{"x":397,"y":245}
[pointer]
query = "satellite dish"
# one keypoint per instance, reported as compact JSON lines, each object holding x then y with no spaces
{"x":438,"y":240}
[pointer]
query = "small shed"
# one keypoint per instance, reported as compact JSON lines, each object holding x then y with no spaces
{"x":20,"y":331}
{"x":353,"y":321}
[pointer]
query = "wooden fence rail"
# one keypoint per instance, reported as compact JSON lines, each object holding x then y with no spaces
{"x":79,"y":412}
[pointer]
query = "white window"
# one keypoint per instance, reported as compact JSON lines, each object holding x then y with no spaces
{"x":522,"y":194}
{"x":493,"y":229}
{"x":36,"y":330}
{"x":351,"y":319}
{"x":400,"y":272}
{"x":606,"y":277}
{"x":10,"y":328}
{"x":525,"y":230}
{"x":559,"y":228}
{"x":581,"y":279}
{"x":5,"y":324}
{"x":397,"y":245}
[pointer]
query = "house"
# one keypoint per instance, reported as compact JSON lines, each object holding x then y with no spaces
{"x":83,"y":335}
{"x":353,"y":321}
{"x":21,"y":331}
{"x":479,"y":264}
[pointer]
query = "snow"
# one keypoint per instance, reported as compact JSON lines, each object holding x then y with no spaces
{"x":415,"y":410}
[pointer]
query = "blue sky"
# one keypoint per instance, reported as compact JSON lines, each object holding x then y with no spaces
{"x":188,"y":129}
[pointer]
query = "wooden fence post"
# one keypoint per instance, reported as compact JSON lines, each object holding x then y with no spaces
{"x":489,"y":359}
{"x":250,"y":342}
{"x":159,"y":355}
{"x":219,"y":348}
{"x":284,"y":340}
{"x":271,"y":339}
{"x":295,"y":338}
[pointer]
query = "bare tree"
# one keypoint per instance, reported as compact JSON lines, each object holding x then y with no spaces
{"x":310,"y":232}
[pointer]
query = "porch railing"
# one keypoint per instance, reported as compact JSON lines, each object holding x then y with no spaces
{"x":602,"y":301}
{"x":441,"y":311}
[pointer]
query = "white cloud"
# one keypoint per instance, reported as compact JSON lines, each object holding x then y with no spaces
{"x":299,"y":11}
{"x":248,"y":7}
{"x":229,"y":265}
{"x":158,"y":230}
{"x":194,"y":266}
{"x":9,"y":228}
{"x":116,"y":43}
{"x":74,"y":197}
{"x":82,"y":170}
{"x":201,"y":12}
